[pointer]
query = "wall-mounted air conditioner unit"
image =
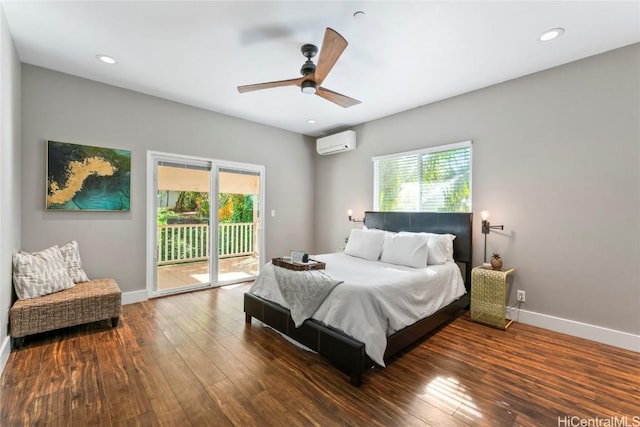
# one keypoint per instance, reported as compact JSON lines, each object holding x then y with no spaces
{"x":337,"y":143}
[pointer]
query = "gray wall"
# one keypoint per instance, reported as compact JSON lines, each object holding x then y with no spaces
{"x":556,"y":159}
{"x":9,"y":174}
{"x":61,"y":107}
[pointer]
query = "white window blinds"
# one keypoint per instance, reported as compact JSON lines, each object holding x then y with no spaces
{"x":436,"y":179}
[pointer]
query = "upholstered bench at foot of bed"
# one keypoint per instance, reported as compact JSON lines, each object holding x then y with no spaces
{"x":87,"y":302}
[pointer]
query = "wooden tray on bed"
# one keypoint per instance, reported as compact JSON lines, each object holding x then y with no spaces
{"x":296,"y":266}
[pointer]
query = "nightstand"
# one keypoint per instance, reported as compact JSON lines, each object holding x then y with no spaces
{"x":488,"y":296}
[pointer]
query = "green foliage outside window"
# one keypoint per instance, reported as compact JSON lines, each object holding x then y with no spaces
{"x":235,"y":208}
{"x":193,"y":207}
{"x":426,"y":181}
{"x":164,"y":214}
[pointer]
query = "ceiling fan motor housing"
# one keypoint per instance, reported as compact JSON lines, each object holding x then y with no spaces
{"x":309,"y":51}
{"x":308,"y":68}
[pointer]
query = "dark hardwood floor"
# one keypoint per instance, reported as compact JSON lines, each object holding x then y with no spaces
{"x":191,"y":360}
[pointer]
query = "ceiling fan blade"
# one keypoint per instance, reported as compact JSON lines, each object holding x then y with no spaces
{"x":258,"y":86}
{"x":337,"y":98}
{"x":332,"y":47}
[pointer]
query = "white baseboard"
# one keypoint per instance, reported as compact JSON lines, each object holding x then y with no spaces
{"x":5,"y":351}
{"x":577,"y":329}
{"x":135,"y":296}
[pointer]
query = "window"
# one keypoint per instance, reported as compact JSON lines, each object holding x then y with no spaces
{"x":436,"y":179}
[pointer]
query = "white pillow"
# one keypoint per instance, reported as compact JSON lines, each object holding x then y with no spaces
{"x":365,"y":244}
{"x":440,"y":247}
{"x":71,"y":254}
{"x":40,"y":273}
{"x":405,"y":249}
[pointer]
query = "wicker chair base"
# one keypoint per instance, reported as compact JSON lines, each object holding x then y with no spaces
{"x":98,"y":299}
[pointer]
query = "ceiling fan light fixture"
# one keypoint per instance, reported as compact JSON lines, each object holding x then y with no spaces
{"x":309,"y":87}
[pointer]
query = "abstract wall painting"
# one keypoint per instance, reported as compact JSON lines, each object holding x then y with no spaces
{"x":86,"y":178}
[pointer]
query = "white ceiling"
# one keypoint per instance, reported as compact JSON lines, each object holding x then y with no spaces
{"x":401,"y":55}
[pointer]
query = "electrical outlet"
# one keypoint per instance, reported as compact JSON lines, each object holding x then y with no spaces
{"x":521,"y":297}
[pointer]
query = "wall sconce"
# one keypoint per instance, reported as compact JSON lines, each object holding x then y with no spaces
{"x":351,"y":218}
{"x":486,"y":228}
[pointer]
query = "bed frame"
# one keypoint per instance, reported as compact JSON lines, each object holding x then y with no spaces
{"x":346,"y":353}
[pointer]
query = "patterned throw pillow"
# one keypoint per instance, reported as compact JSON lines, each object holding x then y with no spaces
{"x":71,"y":254}
{"x":40,"y":273}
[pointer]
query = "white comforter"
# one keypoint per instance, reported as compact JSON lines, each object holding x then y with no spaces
{"x":376,"y":298}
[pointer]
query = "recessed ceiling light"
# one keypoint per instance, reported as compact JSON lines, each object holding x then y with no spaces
{"x":551,"y":34}
{"x":358,"y":14}
{"x":311,"y":121}
{"x":106,"y":59}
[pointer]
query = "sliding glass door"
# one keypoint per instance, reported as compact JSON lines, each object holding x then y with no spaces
{"x":183,"y":232}
{"x":238,"y":224}
{"x":204,"y":225}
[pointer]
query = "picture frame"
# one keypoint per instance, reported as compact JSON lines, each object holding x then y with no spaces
{"x":87,"y":178}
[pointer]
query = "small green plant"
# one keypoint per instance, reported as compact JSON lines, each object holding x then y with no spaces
{"x":164,"y":213}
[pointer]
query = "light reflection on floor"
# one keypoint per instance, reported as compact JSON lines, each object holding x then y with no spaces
{"x":222,"y":277}
{"x":230,"y":287}
{"x":447,"y":392}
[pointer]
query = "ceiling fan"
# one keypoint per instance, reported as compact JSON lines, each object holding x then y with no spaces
{"x":313,"y":75}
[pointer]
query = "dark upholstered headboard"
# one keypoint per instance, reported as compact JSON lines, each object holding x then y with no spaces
{"x":459,"y":224}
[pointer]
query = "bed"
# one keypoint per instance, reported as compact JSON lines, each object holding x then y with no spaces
{"x":341,"y":349}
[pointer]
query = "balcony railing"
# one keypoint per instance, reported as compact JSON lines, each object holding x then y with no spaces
{"x":178,"y":243}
